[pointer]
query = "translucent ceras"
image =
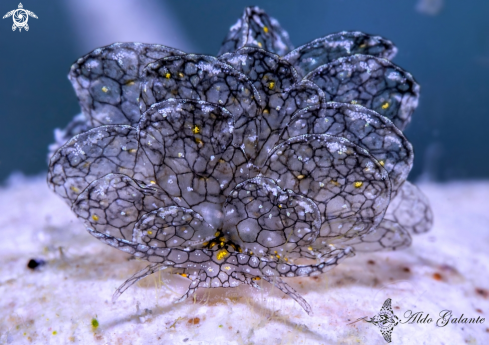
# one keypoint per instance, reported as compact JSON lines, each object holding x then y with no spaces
{"x":261,"y":163}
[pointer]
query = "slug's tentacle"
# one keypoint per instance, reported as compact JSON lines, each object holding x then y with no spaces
{"x":148,"y":270}
{"x":289,"y":291}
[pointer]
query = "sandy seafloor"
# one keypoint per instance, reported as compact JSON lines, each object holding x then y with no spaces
{"x":447,"y":268}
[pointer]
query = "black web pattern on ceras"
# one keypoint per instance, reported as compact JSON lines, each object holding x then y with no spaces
{"x":229,"y":170}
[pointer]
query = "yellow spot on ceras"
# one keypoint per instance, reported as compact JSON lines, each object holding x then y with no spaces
{"x":309,"y":248}
{"x":222,"y":254}
{"x":227,"y":268}
{"x":180,"y":75}
{"x":150,"y":232}
{"x":271,"y":85}
{"x":335,"y":183}
{"x":196,"y":129}
{"x":381,"y":163}
{"x":358,"y":184}
{"x":167,"y":75}
{"x":130,"y":82}
{"x":354,"y":102}
{"x":105,"y":89}
{"x":152,"y":182}
{"x":300,"y":177}
{"x":95,"y":217}
{"x":184,"y":275}
{"x":385,"y":105}
{"x":74,"y":189}
{"x":217,"y":234}
{"x":260,"y":45}
{"x":265,"y":29}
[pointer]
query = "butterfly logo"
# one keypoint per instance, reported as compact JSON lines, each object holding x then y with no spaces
{"x":386,"y":320}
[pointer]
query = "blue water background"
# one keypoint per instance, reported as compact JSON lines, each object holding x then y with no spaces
{"x":447,"y":53}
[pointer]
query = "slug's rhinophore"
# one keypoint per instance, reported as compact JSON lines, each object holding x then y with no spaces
{"x":230,"y":169}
